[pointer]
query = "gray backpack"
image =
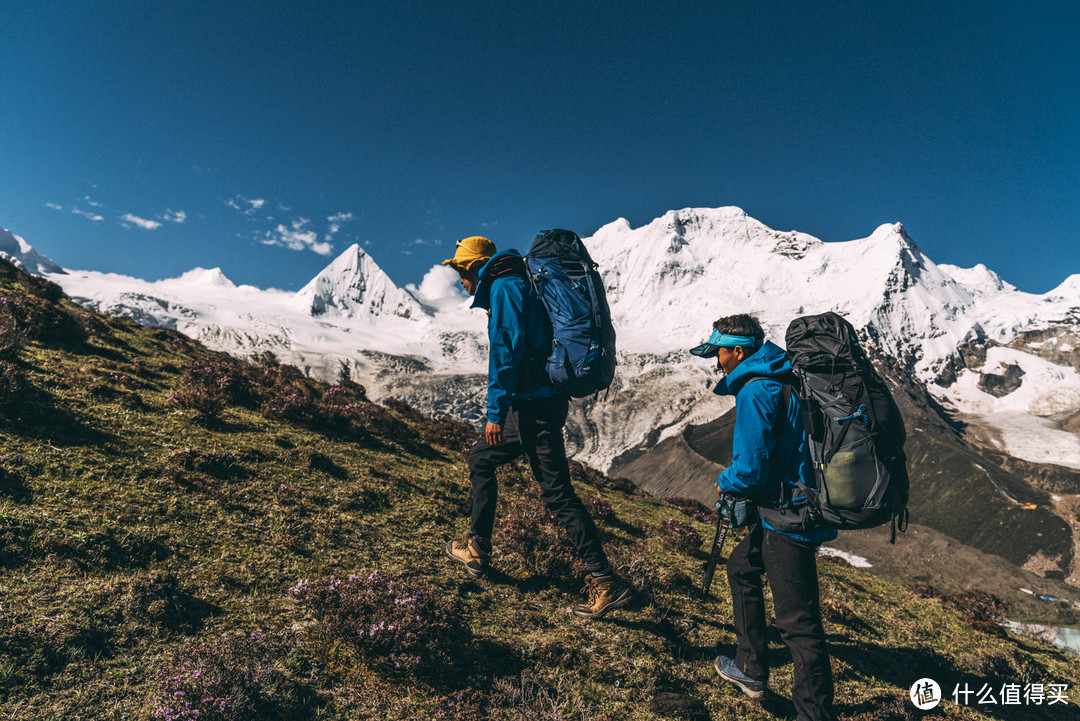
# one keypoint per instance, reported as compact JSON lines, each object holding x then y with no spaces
{"x":855,"y":432}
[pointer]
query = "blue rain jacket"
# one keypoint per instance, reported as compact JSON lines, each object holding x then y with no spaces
{"x":757,"y":467}
{"x":519,"y":339}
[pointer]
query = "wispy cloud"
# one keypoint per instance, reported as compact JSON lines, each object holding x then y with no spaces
{"x":129,"y":220}
{"x":87,"y":214}
{"x":299,"y":236}
{"x":91,"y":203}
{"x":79,"y":211}
{"x":336,"y":221}
{"x":174,"y":216}
{"x":247,"y":206}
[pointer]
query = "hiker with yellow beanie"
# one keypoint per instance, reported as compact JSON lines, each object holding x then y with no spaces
{"x":525,"y":415}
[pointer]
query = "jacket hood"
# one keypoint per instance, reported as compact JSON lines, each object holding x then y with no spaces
{"x":770,"y":361}
{"x":482,"y":297}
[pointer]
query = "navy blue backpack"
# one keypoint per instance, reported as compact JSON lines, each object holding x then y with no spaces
{"x":582,"y":359}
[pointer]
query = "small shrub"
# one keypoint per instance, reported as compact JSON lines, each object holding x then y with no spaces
{"x":11,"y":336}
{"x":923,"y":590}
{"x":449,"y":433}
{"x":93,"y":325}
{"x":208,"y":385}
{"x":669,"y":703}
{"x":580,"y":473}
{"x":14,"y":385}
{"x":158,"y":598}
{"x":1006,"y":663}
{"x":235,"y":677}
{"x":41,"y":319}
{"x":599,"y":509}
{"x":528,"y":696}
{"x":13,"y":487}
{"x":979,"y":609}
{"x":405,"y":410}
{"x":529,"y":531}
{"x":679,"y":535}
{"x":634,"y":567}
{"x":693,"y":508}
{"x":402,"y":625}
{"x":309,"y":459}
{"x":584,"y":474}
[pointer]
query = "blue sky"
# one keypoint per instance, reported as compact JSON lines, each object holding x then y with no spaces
{"x":147,"y":138}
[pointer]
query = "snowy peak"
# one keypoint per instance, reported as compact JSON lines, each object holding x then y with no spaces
{"x":355,"y":285}
{"x":202,"y":276}
{"x":1068,"y":290}
{"x":979,"y":279}
{"x":23,"y":255}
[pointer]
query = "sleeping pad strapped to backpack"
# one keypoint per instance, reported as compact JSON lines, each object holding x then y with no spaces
{"x":855,"y":432}
{"x":582,"y":359}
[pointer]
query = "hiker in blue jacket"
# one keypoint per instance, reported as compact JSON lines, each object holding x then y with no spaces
{"x":767,"y":450}
{"x":525,"y":415}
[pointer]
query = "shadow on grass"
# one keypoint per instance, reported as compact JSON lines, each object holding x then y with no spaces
{"x":903,"y":666}
{"x":41,"y":418}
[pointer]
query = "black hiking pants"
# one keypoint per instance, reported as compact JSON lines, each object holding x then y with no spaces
{"x":535,"y":428}
{"x":791,"y":567}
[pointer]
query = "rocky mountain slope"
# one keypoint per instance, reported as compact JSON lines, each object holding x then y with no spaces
{"x":991,"y":372}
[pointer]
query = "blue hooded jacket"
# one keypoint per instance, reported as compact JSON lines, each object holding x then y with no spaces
{"x":519,"y":337}
{"x":760,"y":462}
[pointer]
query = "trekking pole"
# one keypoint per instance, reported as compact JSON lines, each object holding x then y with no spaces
{"x":717,"y":547}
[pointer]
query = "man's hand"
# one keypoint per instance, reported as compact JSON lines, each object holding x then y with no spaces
{"x":493,"y":433}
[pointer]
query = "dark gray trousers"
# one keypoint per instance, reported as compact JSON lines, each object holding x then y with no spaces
{"x":534,"y":428}
{"x":791,"y":567}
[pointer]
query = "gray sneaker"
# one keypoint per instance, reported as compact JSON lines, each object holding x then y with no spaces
{"x":730,"y":672}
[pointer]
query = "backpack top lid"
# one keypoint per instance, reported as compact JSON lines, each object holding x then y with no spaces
{"x":825,"y":342}
{"x":562,"y":244}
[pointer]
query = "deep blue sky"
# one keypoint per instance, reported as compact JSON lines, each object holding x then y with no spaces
{"x":417,"y":123}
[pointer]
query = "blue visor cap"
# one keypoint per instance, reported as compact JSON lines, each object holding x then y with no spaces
{"x":719,"y":340}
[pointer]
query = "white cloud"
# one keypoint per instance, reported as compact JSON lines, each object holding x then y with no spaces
{"x":54,"y":206}
{"x":336,"y":222}
{"x":174,"y":216}
{"x":297,"y":237}
{"x":247,"y":206}
{"x":439,"y":290}
{"x":129,"y":220}
{"x":86,"y":214}
{"x":91,"y":203}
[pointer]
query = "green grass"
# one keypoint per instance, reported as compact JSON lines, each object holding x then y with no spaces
{"x":137,"y":536}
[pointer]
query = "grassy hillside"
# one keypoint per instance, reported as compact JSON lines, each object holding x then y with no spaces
{"x":177,"y":527}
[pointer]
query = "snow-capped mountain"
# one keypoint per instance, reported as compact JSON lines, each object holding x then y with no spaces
{"x":353,"y":285}
{"x":958,"y":330}
{"x":19,"y":252}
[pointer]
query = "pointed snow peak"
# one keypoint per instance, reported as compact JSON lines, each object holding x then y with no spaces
{"x":23,"y":255}
{"x":353,"y":284}
{"x":204,"y":276}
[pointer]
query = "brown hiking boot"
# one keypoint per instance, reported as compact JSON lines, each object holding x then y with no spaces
{"x":469,"y":555}
{"x":605,"y":593}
